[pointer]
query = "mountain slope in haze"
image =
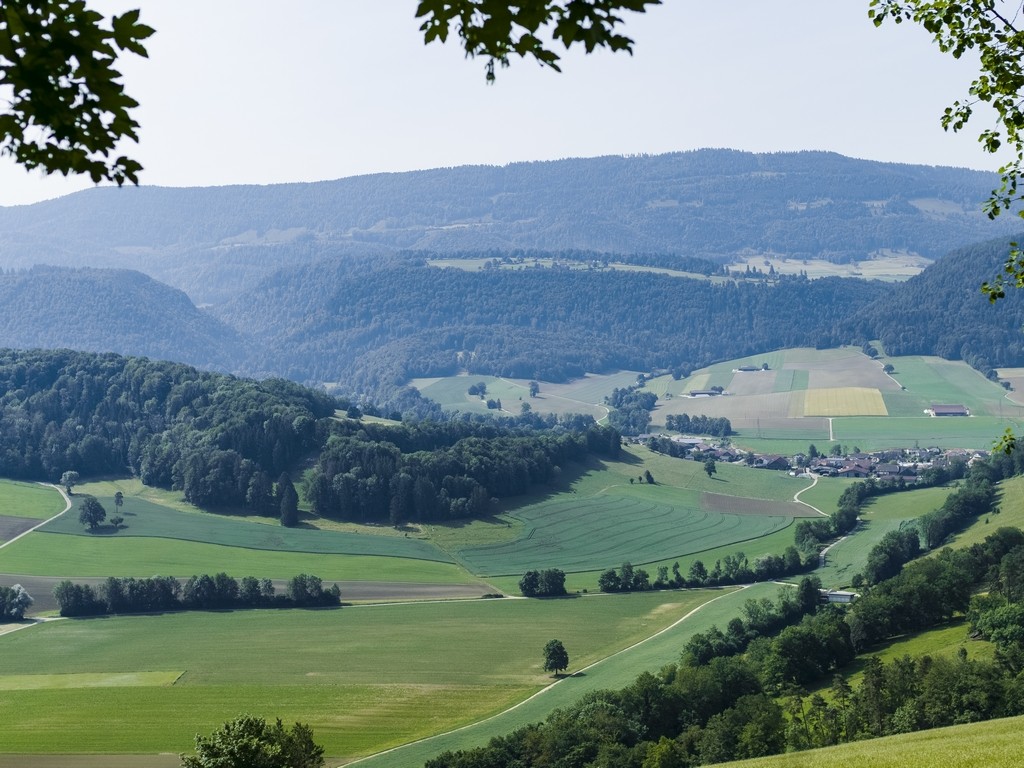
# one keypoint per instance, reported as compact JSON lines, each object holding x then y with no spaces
{"x":111,"y":310}
{"x":943,"y":312}
{"x":217,"y":242}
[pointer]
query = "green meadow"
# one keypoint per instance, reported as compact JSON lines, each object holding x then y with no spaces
{"x":976,"y":745}
{"x":442,"y":665}
{"x":1010,"y":513}
{"x":879,"y":516}
{"x":49,"y":554}
{"x":19,"y":499}
{"x":150,"y":520}
{"x":684,"y":513}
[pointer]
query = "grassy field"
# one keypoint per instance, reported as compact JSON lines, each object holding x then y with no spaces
{"x":582,"y":396}
{"x":612,"y":673}
{"x":1011,"y":513}
{"x":18,"y":499}
{"x":359,"y":694}
{"x":684,"y":513}
{"x":944,"y":641}
{"x":976,"y":745}
{"x":880,"y":515}
{"x":562,"y":533}
{"x":147,"y":519}
{"x":49,"y":554}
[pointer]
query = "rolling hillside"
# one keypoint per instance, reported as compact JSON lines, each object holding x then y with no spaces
{"x":719,"y":204}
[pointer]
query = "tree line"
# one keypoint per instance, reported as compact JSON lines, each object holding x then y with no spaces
{"x":199,"y":593}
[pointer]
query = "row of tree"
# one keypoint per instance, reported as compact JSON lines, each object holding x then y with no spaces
{"x":716,"y":426}
{"x":198,"y":593}
{"x":549,"y":582}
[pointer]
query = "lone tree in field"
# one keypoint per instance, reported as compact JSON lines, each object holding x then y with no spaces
{"x":91,"y":513}
{"x":69,"y":479}
{"x":249,"y":742}
{"x":119,"y":501}
{"x":534,"y":389}
{"x":556,"y":658}
{"x":709,"y":467}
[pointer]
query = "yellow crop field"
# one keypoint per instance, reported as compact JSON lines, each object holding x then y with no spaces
{"x":844,"y":401}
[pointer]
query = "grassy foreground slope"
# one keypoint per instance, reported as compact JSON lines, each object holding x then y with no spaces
{"x":976,"y":745}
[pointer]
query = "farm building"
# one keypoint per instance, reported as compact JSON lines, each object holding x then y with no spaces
{"x":771,"y":461}
{"x":836,"y":596}
{"x":704,"y":393}
{"x":853,"y":469}
{"x":948,"y":410}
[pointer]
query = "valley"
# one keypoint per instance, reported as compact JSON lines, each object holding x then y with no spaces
{"x":692,"y":389}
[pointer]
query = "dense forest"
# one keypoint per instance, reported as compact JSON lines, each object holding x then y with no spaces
{"x":431,"y":471}
{"x":112,"y":310}
{"x":214,"y":436}
{"x":713,"y":203}
{"x":943,"y":312}
{"x":376,"y":329}
{"x":229,"y":442}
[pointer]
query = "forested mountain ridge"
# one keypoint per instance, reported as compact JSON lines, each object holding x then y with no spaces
{"x":215,"y":242}
{"x":330,"y":322}
{"x":111,"y":310}
{"x":943,"y":312}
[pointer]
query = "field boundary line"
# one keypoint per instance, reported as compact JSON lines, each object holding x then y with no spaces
{"x":67,"y":506}
{"x":547,"y":688}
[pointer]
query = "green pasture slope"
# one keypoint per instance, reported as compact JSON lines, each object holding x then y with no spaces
{"x":167,"y":540}
{"x":584,"y":396}
{"x":879,"y":516}
{"x":976,"y":745}
{"x":31,"y":500}
{"x":364,"y":678}
{"x":601,"y":519}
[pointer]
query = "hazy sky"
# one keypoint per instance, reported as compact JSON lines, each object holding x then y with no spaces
{"x":254,"y":92}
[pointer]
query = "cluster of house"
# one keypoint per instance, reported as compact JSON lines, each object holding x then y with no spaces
{"x":903,"y":463}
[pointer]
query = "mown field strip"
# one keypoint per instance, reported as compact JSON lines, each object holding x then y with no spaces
{"x":87,"y":680}
{"x":844,"y":401}
{"x":52,"y":554}
{"x":146,"y":519}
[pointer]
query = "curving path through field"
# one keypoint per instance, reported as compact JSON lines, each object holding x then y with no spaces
{"x":814,"y":482}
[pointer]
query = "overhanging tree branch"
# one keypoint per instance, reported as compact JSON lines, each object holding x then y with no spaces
{"x":66,"y":109}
